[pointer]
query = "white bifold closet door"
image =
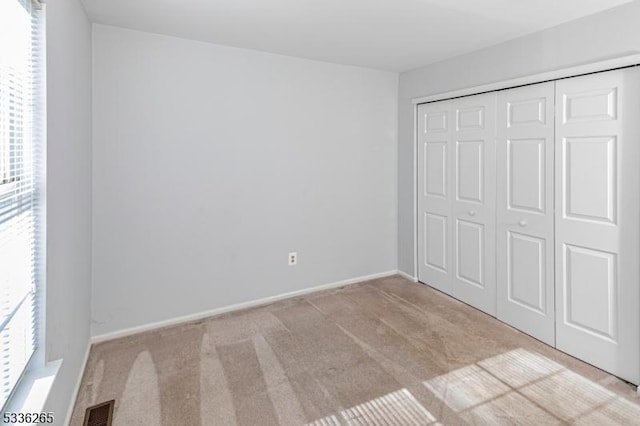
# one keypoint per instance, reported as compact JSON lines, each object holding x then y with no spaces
{"x":529,"y":208}
{"x":474,"y":278}
{"x":434,"y":195}
{"x":525,"y":231}
{"x":456,"y":203}
{"x":597,"y":220}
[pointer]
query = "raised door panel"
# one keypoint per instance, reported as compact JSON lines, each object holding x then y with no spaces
{"x":470,"y":179}
{"x":525,"y":238}
{"x":435,"y":166}
{"x":526,"y":174}
{"x":470,"y":253}
{"x":526,"y":112}
{"x":435,"y":121}
{"x":526,"y":272}
{"x":470,"y":117}
{"x":597,"y":226}
{"x":435,"y":195}
{"x":590,"y":294}
{"x":473,"y":136}
{"x":435,"y":247}
{"x":590,"y":105}
{"x":590,"y":176}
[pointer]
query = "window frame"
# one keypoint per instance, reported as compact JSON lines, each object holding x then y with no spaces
{"x":27,"y":393}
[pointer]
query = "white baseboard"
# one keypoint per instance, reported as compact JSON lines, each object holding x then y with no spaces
{"x":217,"y":311}
{"x":76,"y":390}
{"x":407,"y":276}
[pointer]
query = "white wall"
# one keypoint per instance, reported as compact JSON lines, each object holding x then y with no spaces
{"x":68,"y":192}
{"x":614,"y":32}
{"x":211,"y":163}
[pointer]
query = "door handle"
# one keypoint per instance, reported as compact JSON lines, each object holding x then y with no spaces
{"x":472,"y":212}
{"x":522,"y":223}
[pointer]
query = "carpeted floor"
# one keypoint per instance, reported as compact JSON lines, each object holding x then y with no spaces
{"x":380,"y":352}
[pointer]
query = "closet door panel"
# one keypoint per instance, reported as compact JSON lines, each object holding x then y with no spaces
{"x":435,"y":195}
{"x":470,"y":252}
{"x":525,"y":231}
{"x":473,"y":207}
{"x":597,"y":220}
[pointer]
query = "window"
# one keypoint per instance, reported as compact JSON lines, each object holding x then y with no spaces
{"x":21,"y":172}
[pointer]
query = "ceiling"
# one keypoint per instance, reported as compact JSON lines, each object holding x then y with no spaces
{"x":394,"y":35}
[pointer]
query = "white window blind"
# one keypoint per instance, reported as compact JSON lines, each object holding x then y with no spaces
{"x":21,"y":176}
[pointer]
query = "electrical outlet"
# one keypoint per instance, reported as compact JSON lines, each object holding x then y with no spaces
{"x":293,"y":258}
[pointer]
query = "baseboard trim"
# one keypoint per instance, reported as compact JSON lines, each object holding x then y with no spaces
{"x":407,"y":276}
{"x":76,"y":390}
{"x":100,"y":338}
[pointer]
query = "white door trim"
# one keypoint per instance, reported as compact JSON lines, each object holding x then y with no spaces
{"x":415,"y":192}
{"x":572,"y":71}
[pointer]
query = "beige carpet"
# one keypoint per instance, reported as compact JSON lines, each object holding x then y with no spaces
{"x":381,"y":352}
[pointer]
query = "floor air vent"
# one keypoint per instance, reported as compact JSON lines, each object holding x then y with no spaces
{"x":99,"y":415}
